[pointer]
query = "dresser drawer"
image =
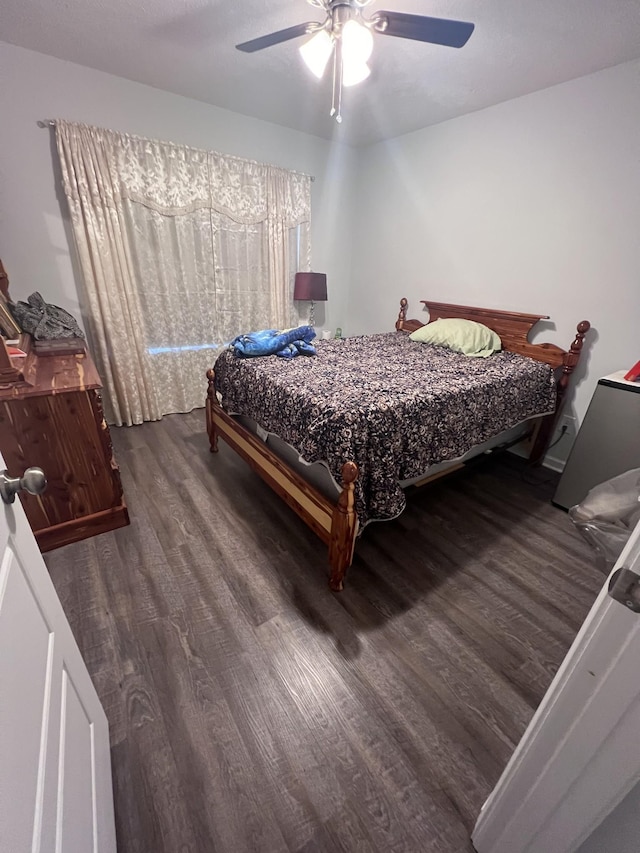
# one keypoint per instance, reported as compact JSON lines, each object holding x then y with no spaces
{"x":63,"y":431}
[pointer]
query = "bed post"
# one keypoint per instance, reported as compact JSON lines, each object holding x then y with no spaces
{"x":212,"y":400}
{"x":402,"y":316}
{"x":569,"y":363}
{"x":344,"y":526}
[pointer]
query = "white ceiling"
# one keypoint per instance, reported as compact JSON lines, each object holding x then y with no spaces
{"x":187,"y":47}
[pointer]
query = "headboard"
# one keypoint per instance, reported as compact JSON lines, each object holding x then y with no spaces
{"x":512,"y":327}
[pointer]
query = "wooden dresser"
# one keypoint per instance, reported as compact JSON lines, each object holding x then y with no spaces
{"x":51,"y":417}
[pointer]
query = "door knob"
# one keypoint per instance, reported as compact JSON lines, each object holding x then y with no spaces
{"x":33,"y":481}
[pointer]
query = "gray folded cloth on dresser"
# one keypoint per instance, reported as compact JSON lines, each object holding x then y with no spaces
{"x":43,"y":321}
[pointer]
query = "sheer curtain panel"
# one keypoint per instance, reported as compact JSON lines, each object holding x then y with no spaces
{"x":180,"y":251}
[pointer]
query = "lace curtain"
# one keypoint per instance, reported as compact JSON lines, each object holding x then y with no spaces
{"x":180,"y":251}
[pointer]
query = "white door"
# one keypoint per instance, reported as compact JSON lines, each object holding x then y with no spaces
{"x":581,"y":753}
{"x":55,"y":771}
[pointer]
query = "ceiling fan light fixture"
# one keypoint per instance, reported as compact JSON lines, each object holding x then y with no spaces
{"x":316,"y":52}
{"x":357,"y":43}
{"x":354,"y":72}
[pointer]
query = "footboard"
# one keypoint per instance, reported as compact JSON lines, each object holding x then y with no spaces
{"x":335,"y":523}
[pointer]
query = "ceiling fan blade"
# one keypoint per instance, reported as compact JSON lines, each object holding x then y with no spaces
{"x":277,"y":37}
{"x":421,"y":28}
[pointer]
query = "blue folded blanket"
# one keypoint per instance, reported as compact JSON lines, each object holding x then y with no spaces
{"x":272,"y":342}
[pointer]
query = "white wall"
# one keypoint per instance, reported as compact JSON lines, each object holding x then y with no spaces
{"x":33,"y":243}
{"x":531,"y":205}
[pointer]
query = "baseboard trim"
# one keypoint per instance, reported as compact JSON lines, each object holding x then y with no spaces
{"x":554,"y":464}
{"x":550,"y":462}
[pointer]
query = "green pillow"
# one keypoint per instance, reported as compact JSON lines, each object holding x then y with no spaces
{"x":465,"y":336}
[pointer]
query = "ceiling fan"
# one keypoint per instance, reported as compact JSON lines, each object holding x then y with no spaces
{"x":347,"y":35}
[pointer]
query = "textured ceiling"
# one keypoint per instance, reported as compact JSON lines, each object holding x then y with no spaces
{"x":187,"y":47}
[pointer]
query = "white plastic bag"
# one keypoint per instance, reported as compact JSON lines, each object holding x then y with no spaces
{"x":608,"y":514}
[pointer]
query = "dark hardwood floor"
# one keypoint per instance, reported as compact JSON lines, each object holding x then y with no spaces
{"x":251,"y":709}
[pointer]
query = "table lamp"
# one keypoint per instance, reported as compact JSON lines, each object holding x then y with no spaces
{"x":310,"y":287}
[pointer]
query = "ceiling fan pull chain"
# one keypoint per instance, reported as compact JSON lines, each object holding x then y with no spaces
{"x":332,"y":111}
{"x":339,"y":68}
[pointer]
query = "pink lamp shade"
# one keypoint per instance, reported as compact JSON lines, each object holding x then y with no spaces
{"x":310,"y":287}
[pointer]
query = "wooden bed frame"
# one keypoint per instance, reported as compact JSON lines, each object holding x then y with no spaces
{"x":336,"y":523}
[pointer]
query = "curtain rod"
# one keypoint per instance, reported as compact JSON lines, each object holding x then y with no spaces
{"x":49,"y":122}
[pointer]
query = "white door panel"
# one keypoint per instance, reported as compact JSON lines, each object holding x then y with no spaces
{"x":55,"y":773}
{"x":24,"y":632}
{"x":75,"y":804}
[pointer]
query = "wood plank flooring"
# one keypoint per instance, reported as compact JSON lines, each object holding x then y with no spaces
{"x":251,"y":709}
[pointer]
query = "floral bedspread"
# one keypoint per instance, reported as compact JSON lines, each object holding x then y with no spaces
{"x":391,"y":405}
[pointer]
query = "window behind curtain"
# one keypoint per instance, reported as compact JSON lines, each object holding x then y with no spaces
{"x":181,"y":250}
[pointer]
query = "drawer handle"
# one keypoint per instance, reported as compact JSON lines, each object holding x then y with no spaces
{"x":33,"y":481}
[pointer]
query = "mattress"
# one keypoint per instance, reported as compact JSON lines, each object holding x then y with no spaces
{"x":393,"y":406}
